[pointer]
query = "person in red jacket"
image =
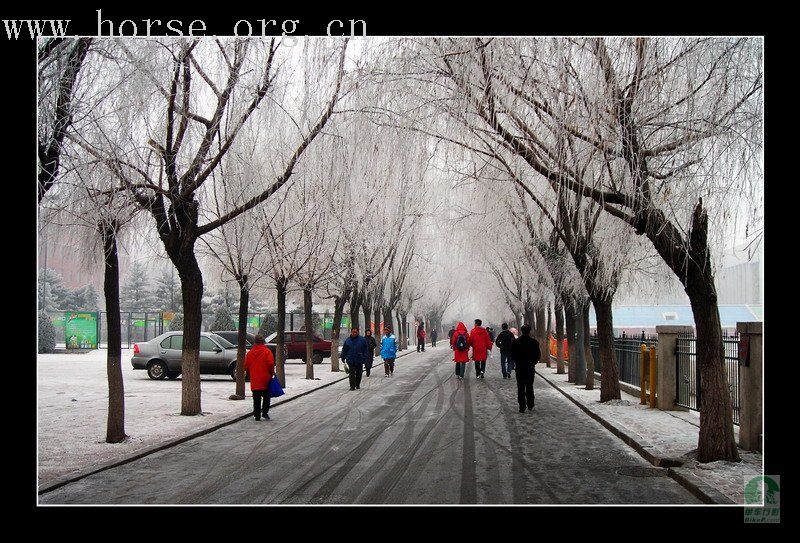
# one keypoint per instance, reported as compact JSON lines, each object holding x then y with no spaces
{"x":481,"y":345}
{"x":460,"y":343}
{"x":261,"y":365}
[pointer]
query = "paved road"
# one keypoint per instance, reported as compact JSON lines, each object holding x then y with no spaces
{"x":420,"y":436}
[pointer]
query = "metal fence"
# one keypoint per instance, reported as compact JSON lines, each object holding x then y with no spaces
{"x":688,"y":372}
{"x":626,"y":351}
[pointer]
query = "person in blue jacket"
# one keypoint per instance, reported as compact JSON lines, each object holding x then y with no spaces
{"x":388,"y":351}
{"x":355,"y":352}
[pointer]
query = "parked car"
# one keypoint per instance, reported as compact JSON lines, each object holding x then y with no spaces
{"x":233,"y":337}
{"x":161,"y":356}
{"x":295,"y":345}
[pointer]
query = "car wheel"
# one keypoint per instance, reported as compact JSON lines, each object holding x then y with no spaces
{"x":173,"y":375}
{"x":317,"y":358}
{"x":157,"y":370}
{"x":232,"y":371}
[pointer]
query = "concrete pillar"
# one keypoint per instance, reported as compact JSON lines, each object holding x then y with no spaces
{"x":666,"y":390}
{"x":751,"y":387}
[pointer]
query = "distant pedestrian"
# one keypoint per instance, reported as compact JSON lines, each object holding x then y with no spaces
{"x":460,"y":343}
{"x":421,"y":338}
{"x":388,"y":351}
{"x":504,"y":341}
{"x":260,"y":363}
{"x":526,"y":353}
{"x":434,"y":334}
{"x":450,"y":334}
{"x":371,"y":343}
{"x":481,"y":345}
{"x":490,"y":331}
{"x":355,"y":353}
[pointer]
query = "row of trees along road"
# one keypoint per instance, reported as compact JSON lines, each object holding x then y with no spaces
{"x":307,"y":169}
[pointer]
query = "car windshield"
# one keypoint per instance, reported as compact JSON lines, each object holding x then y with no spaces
{"x":222,"y":341}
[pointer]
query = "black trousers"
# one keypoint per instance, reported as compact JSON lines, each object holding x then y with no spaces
{"x":355,"y":375}
{"x":388,"y":365}
{"x":258,"y":409}
{"x":524,"y":387}
{"x":368,"y":365}
{"x":420,"y":345}
{"x":460,"y":367}
{"x":480,"y":367}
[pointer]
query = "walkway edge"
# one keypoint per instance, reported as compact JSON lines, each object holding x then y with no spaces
{"x":63,"y":481}
{"x":681,"y":475}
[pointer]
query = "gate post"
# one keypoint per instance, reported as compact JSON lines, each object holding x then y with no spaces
{"x":750,"y":384}
{"x":666,"y":390}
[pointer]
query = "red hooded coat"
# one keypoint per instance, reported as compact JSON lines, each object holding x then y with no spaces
{"x":460,"y":356}
{"x":261,"y":365}
{"x":480,"y":342}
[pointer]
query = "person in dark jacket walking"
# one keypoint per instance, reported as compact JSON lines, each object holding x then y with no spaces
{"x":525,"y":353}
{"x":355,"y":352}
{"x":504,"y":340}
{"x":371,"y":343}
{"x":450,"y":333}
{"x":260,"y":363}
{"x":434,"y":334}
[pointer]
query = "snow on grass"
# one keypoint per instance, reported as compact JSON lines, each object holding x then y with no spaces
{"x":73,"y":403}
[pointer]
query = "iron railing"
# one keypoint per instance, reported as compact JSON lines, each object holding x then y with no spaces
{"x":627,"y":353}
{"x":687,"y":373}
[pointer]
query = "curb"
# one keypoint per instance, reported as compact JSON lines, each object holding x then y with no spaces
{"x":682,"y":476}
{"x":58,"y":483}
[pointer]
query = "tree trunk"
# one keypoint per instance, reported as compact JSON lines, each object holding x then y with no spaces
{"x":115,"y":422}
{"x":336,"y":328}
{"x":559,"y":310}
{"x":404,"y":331}
{"x":569,"y":322}
{"x":580,"y":354}
{"x":355,"y":305}
{"x":367,"y":317}
{"x":587,"y":348}
{"x":241,"y":351}
{"x":399,"y":331}
{"x":376,"y":332}
{"x":541,"y":329}
{"x":609,"y":373}
{"x":716,"y":439}
{"x":307,"y":302}
{"x":280,"y":338}
{"x":547,"y":333}
{"x":191,"y":292}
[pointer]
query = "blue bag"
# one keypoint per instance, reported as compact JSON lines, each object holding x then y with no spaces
{"x":275,"y":389}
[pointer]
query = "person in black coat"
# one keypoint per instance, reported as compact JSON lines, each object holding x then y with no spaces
{"x":504,"y":341}
{"x":371,"y":343}
{"x":525,"y":353}
{"x":355,"y":353}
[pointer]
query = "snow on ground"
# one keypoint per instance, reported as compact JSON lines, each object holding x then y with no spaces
{"x":73,"y":403}
{"x":671,"y":433}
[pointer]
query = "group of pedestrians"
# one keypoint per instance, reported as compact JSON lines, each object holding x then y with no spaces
{"x":359,"y":353}
{"x":517,"y":354}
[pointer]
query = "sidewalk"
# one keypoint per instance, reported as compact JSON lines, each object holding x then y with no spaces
{"x":73,"y":402}
{"x":665,"y":438}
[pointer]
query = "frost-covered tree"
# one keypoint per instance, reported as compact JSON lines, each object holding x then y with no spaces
{"x":222,"y":319}
{"x":47,"y":333}
{"x":176,"y":324}
{"x":167,"y":291}
{"x":136,"y":293}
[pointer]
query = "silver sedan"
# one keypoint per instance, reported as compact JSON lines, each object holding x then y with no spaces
{"x":161,"y":356}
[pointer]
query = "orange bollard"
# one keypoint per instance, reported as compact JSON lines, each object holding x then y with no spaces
{"x":642,"y":375}
{"x":653,"y":376}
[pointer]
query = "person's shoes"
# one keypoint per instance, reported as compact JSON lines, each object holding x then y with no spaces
{"x":258,"y":418}
{"x":266,"y":416}
{"x":521,"y":409}
{"x":358,"y":387}
{"x":530,"y":408}
{"x":352,"y":388}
